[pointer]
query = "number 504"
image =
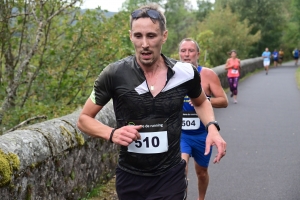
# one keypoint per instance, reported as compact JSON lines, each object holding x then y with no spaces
{"x":188,"y":123}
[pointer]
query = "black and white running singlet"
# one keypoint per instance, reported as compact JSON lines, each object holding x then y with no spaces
{"x":161,"y":116}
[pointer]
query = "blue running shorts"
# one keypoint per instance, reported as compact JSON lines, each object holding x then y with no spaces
{"x":194,"y":145}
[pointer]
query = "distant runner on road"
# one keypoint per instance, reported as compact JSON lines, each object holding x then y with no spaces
{"x":275,"y":56}
{"x":266,"y":55}
{"x":233,"y":66}
{"x":281,"y":55}
{"x":296,"y":55}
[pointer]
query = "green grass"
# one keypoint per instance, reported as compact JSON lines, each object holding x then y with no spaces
{"x":105,"y":191}
{"x":298,"y":77}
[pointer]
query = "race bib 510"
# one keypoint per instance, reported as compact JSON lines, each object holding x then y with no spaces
{"x":154,"y":137}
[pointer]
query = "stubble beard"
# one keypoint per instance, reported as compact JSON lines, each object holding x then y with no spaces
{"x":147,"y":63}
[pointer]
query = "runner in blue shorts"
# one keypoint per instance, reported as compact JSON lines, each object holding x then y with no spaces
{"x":194,"y":132}
{"x":296,"y":55}
{"x":275,"y":56}
{"x":194,"y":144}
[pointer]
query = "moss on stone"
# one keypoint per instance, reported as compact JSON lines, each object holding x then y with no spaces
{"x":29,"y":192}
{"x":49,"y":183}
{"x":79,"y":138}
{"x":72,"y":175}
{"x":11,"y":187}
{"x":5,"y":172}
{"x":66,"y":132}
{"x":32,"y":166}
{"x":104,"y":156}
{"x":8,"y":163}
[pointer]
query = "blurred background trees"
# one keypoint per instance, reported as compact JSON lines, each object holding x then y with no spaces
{"x":52,"y":51}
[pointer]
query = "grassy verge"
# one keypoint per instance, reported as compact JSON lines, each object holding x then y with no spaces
{"x":103,"y":192}
{"x":298,"y":77}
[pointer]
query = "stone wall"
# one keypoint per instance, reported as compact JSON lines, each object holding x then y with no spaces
{"x":54,"y":160}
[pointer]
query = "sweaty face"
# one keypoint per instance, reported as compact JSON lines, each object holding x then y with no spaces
{"x":147,"y":39}
{"x":188,"y":52}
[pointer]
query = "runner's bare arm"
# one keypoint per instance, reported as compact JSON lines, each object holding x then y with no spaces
{"x":218,"y":96}
{"x":205,"y":112}
{"x":89,"y":125}
{"x":227,"y":66}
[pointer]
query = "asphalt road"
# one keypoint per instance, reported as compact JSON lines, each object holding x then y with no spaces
{"x":262,"y":133}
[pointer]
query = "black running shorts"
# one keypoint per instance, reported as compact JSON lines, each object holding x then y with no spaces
{"x":171,"y":185}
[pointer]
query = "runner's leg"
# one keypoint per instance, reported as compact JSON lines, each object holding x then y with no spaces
{"x":201,"y":163}
{"x":235,"y":88}
{"x":230,"y":81}
{"x":203,"y":180}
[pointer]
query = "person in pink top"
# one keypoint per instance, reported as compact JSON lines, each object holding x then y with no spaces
{"x":232,"y":66}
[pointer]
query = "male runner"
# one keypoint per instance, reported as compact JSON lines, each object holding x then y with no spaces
{"x":280,"y":57}
{"x":148,"y":91}
{"x":266,"y":55}
{"x":275,"y":56}
{"x":194,"y":134}
{"x":296,"y":55}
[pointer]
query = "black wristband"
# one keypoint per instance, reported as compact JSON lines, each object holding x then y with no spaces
{"x":214,"y":123}
{"x":111,"y":135}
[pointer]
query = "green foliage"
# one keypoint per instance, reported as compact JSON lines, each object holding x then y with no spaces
{"x":179,"y":17}
{"x":74,"y":49}
{"x":266,"y":16}
{"x":290,"y":39}
{"x":204,"y":8}
{"x":48,"y":64}
{"x":221,"y":32}
{"x":205,"y":41}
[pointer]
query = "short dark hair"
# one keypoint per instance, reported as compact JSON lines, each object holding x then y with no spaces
{"x":143,"y":14}
{"x":190,"y":40}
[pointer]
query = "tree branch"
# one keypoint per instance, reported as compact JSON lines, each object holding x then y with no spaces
{"x":26,"y":122}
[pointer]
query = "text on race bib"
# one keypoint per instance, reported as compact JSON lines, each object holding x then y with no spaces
{"x":190,"y":121}
{"x":234,"y":71}
{"x":154,"y":137}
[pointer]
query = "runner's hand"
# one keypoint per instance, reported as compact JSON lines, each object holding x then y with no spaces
{"x":215,"y":139}
{"x":126,"y":135}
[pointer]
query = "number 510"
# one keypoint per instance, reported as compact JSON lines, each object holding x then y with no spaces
{"x":154,"y":142}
